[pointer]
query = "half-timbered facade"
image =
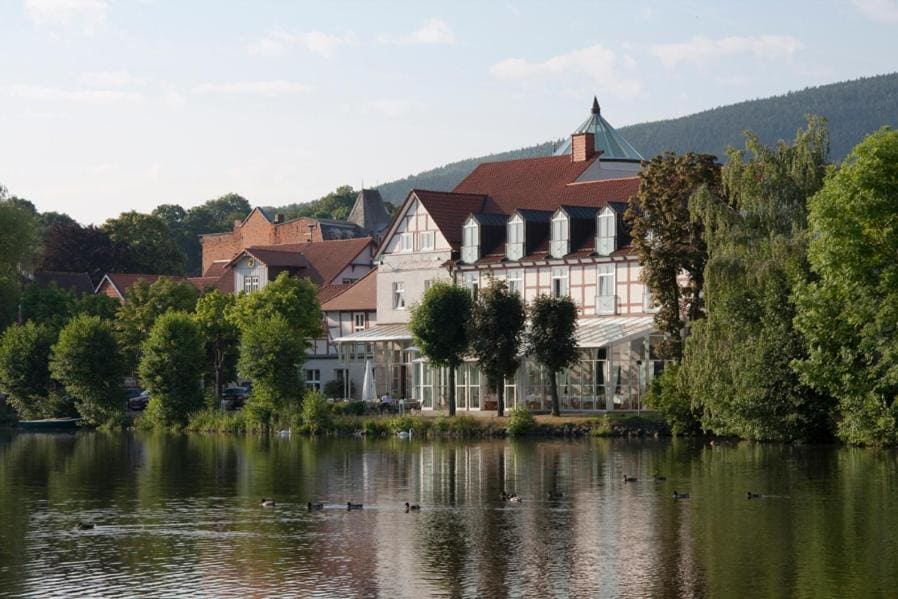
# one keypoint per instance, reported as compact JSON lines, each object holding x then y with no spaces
{"x":547,"y":226}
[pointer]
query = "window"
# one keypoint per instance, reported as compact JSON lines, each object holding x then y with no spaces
{"x":516,"y":282}
{"x":358,"y":321}
{"x":560,"y":235}
{"x":398,"y":295}
{"x":472,"y":283}
{"x":606,"y":303}
{"x":349,"y":281}
{"x":405,"y":242}
{"x":425,"y":241}
{"x":559,"y":281}
{"x":606,"y":238}
{"x":470,"y":250}
{"x":514,"y":247}
{"x":313,"y":379}
{"x":250,"y":283}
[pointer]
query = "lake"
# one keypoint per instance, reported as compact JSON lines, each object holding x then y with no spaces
{"x":179,"y":515}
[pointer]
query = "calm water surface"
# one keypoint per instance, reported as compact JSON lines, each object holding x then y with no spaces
{"x":179,"y":516}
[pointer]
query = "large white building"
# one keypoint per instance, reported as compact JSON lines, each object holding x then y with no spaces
{"x":550,"y":225}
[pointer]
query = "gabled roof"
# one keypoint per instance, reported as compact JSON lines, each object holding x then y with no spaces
{"x":580,"y":212}
{"x":321,"y":261}
{"x":78,"y":283}
{"x":329,"y":291}
{"x":449,"y":210}
{"x":490,"y":219}
{"x":361,"y":295}
{"x":122,"y":282}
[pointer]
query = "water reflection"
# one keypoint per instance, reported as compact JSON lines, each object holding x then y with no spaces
{"x":180,"y":515}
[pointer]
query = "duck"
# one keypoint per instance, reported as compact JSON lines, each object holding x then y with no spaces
{"x":267,"y":502}
{"x":629,"y":479}
{"x":85,"y":526}
{"x":353,"y":506}
{"x":751,"y":495}
{"x":412,"y":508}
{"x":678,"y":495}
{"x":514,"y":499}
{"x":658,"y":477}
{"x":555,"y":494}
{"x":315,"y":506}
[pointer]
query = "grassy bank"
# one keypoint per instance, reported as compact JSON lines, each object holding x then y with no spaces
{"x":436,"y":425}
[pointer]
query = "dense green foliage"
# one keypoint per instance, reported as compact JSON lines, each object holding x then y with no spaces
{"x":439,"y":328}
{"x":293,"y":299}
{"x":495,"y":330}
{"x":151,"y":246}
{"x":317,"y":414}
{"x":669,"y":396}
{"x":87,"y":362}
{"x":171,"y":369}
{"x":551,"y":340}
{"x":669,"y":241}
{"x":25,"y":373}
{"x":147,"y":302}
{"x":271,"y":354}
{"x":69,"y":247}
{"x":221,"y":337}
{"x":738,"y":361}
{"x":18,"y":239}
{"x":854,"y":109}
{"x":849,"y":313}
{"x":520,"y":422}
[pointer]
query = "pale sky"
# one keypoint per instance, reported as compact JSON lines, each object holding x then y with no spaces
{"x":112,"y":105}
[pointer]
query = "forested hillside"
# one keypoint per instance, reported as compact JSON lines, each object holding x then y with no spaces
{"x":853,"y":108}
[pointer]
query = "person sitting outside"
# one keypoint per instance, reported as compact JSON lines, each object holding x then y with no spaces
{"x":386,"y":402}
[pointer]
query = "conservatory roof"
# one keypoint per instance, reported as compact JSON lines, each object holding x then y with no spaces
{"x":602,"y":331}
{"x":379,"y":332}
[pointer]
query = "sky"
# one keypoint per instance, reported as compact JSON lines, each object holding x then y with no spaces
{"x":114,"y":105}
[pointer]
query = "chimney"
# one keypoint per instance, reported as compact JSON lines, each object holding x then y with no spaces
{"x":583,"y":146}
{"x":278,"y":218}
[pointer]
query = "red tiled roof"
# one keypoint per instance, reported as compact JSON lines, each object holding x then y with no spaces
{"x":124,"y":281}
{"x":330,"y":291}
{"x":450,"y":209}
{"x":216,"y":269}
{"x":361,"y":295}
{"x":324,"y":260}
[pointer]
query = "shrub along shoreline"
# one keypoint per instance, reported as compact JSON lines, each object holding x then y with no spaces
{"x":434,"y":426}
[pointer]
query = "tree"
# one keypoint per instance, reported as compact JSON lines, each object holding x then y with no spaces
{"x":669,"y":242}
{"x":151,"y":247}
{"x":292,"y":298}
{"x":495,"y":330}
{"x":24,"y":374}
{"x":145,"y":304}
{"x":737,"y":364}
{"x":439,"y":327}
{"x":18,"y":242}
{"x":551,"y":339}
{"x":848,"y":313}
{"x":69,"y":247}
{"x":87,"y":361}
{"x":271,"y":354}
{"x":48,"y":305}
{"x":221,"y":336}
{"x":97,"y":305}
{"x":171,"y":367}
{"x":336,"y":204}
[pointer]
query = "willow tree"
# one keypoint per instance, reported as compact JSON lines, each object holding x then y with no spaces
{"x":439,"y":327}
{"x":849,"y":312}
{"x":738,"y":361}
{"x":495,"y":329}
{"x":668,"y":239}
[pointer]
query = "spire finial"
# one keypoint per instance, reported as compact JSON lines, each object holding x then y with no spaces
{"x":595,"y":105}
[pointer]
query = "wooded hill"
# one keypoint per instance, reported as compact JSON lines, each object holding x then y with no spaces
{"x":853,"y":108}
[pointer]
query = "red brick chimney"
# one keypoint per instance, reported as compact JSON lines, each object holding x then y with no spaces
{"x":583,"y":147}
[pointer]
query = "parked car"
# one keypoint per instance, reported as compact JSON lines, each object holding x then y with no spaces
{"x":233,"y":398}
{"x":139,"y":402}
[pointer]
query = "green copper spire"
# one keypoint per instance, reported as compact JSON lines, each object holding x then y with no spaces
{"x":611,"y":143}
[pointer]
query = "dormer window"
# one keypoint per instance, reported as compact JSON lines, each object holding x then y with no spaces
{"x":561,"y":235}
{"x":606,"y":232}
{"x":470,"y":245}
{"x":514,"y":245}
